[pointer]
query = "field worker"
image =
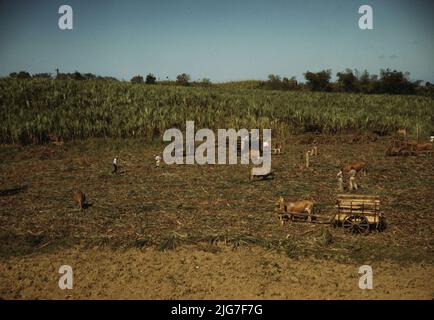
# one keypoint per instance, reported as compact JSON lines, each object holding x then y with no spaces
{"x":353,"y":183}
{"x":340,"y":181}
{"x":157,"y":161}
{"x":115,"y":165}
{"x":307,"y":159}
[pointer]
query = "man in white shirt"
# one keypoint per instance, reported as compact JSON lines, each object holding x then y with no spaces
{"x":115,"y":165}
{"x":157,"y":161}
{"x":353,"y":183}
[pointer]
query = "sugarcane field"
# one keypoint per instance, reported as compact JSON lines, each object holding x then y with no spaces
{"x":173,"y":187}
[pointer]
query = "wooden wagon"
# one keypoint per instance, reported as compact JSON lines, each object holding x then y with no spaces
{"x":400,"y":147}
{"x":357,"y":214}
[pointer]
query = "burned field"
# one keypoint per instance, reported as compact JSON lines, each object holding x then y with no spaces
{"x":206,"y":206}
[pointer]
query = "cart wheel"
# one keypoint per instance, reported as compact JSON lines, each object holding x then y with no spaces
{"x":356,"y":224}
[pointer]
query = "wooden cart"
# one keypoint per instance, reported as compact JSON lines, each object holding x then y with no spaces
{"x":357,"y":214}
{"x":399,"y":147}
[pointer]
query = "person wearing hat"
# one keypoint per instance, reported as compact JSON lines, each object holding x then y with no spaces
{"x":353,"y":183}
{"x":115,"y":165}
{"x":157,"y":160}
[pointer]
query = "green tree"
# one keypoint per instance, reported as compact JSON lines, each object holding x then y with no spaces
{"x":289,"y":84}
{"x":206,"y":82}
{"x":137,"y":79}
{"x":20,"y":75}
{"x":42,"y":76}
{"x":183,"y":79}
{"x":150,"y":79}
{"x":347,"y":81}
{"x":396,"y":82}
{"x":89,"y":76}
{"x":77,"y":76}
{"x":319,"y":81}
{"x":274,"y":82}
{"x":366,"y":83}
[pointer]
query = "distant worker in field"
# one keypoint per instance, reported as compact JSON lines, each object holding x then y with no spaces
{"x":307,"y":159}
{"x":340,"y":181}
{"x":157,"y":161}
{"x":353,"y":182}
{"x":115,"y":165}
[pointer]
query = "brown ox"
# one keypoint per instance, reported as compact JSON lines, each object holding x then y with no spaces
{"x":357,"y":165}
{"x":300,"y":206}
{"x":79,"y":199}
{"x":424,"y":147}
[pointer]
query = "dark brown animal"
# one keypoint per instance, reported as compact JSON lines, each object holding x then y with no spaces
{"x":426,"y":147}
{"x":411,"y":145}
{"x":357,"y":165}
{"x":394,"y":151}
{"x":423,"y":146}
{"x":79,"y":199}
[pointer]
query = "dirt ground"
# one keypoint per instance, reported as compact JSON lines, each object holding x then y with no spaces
{"x":134,"y":219}
{"x":191,"y":273}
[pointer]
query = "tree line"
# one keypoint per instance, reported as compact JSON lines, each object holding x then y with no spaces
{"x":24,"y":75}
{"x":182,"y":79}
{"x":387,"y":82}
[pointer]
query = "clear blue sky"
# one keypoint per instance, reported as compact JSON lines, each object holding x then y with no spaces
{"x":221,"y":40}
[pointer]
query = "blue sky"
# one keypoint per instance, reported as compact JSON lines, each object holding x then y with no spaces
{"x":221,"y":40}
